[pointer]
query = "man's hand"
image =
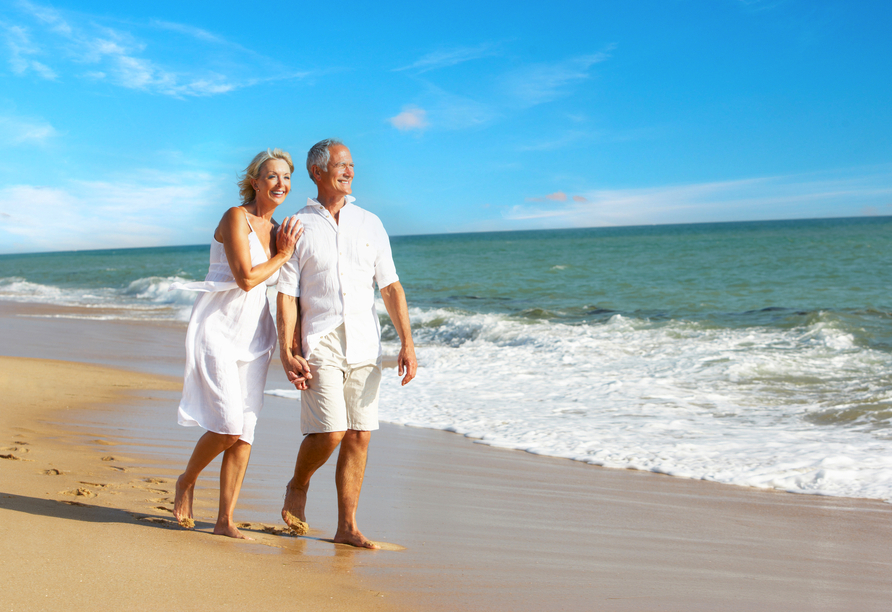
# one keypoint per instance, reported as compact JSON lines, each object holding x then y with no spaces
{"x":407,"y":363}
{"x":395,"y":301}
{"x":297,"y":370}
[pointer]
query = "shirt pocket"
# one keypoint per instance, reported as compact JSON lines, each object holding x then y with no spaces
{"x":364,"y":256}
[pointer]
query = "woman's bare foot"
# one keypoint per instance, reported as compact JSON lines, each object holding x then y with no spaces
{"x":228,"y":529}
{"x":293,"y":510}
{"x":182,"y":504}
{"x":355,"y":538}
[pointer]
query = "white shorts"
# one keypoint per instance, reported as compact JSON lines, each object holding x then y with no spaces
{"x":340,"y":396}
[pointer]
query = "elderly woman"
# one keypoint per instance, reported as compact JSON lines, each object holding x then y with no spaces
{"x":232,"y":336}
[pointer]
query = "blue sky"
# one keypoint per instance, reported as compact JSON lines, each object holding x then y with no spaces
{"x":126,"y":124}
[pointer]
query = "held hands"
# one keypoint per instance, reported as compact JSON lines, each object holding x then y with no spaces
{"x":287,"y":235}
{"x":297,"y":370}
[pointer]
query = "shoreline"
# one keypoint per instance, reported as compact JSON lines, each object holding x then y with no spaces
{"x":482,"y":528}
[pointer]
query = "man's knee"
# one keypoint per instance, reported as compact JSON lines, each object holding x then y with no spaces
{"x":357,"y":438}
{"x":329,"y":439}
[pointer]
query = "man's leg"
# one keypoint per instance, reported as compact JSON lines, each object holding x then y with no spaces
{"x":314,"y":452}
{"x":348,"y":478}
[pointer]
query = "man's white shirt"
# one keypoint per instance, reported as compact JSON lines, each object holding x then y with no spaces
{"x":333,"y":273}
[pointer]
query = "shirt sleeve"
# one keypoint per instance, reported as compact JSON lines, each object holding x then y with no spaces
{"x":385,"y":270}
{"x":289,"y":277}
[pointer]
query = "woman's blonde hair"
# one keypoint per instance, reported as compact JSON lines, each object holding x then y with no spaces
{"x":252,"y":172}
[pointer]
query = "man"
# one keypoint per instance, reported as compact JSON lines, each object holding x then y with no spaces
{"x":329,"y":336}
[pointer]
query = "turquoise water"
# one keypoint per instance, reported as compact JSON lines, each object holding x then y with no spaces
{"x":683,"y":270}
{"x":757,"y":354}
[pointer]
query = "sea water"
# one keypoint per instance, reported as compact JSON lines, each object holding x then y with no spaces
{"x":757,"y":354}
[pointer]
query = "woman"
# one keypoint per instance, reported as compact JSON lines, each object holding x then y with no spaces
{"x":232,"y":336}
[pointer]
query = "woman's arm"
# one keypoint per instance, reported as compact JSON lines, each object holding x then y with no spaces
{"x":290,"y":341}
{"x":233,"y":232}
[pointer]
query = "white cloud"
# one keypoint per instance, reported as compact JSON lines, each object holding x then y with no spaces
{"x":156,"y":209}
{"x":412,"y":118}
{"x":21,"y":48}
{"x":448,"y":57}
{"x":188,"y":30}
{"x":829,"y":194}
{"x":22,"y":130}
{"x":544,"y":82}
{"x":121,"y":58}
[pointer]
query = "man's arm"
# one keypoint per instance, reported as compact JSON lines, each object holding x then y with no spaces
{"x":395,"y":301}
{"x":290,"y":345}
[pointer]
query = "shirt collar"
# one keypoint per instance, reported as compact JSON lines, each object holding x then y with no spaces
{"x":315,"y":203}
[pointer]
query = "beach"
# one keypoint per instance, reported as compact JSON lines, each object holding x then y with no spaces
{"x":464,"y":526}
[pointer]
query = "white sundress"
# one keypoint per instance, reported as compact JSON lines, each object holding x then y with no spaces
{"x":229,"y":346}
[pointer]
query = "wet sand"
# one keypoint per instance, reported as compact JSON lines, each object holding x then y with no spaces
{"x":467,"y":526}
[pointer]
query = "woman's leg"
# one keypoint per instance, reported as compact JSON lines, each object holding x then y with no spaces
{"x":206,"y":449}
{"x":232,"y":473}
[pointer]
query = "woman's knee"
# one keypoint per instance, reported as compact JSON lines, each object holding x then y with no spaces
{"x":228,"y":440}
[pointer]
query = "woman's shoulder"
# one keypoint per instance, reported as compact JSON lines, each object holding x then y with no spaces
{"x":234,"y":213}
{"x":232,"y":222}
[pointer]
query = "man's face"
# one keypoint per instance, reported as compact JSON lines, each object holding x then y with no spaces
{"x":337,"y":179}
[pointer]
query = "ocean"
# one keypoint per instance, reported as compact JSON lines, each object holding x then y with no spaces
{"x":756,"y":354}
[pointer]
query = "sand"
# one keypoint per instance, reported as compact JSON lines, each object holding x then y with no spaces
{"x":83,"y":527}
{"x":85,"y":512}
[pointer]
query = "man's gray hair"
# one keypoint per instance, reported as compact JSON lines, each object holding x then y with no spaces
{"x":319,"y":155}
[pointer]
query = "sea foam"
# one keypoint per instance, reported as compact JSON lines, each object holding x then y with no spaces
{"x":758,"y":407}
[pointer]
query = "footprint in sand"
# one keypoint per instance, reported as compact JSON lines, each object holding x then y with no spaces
{"x":53,"y":472}
{"x":115,"y":467}
{"x":74,"y":503}
{"x":280,"y":531}
{"x":81,"y":492}
{"x":11,"y":457}
{"x":104,"y":442}
{"x":155,"y":519}
{"x":94,"y":484}
{"x":108,"y":458}
{"x":163,"y":508}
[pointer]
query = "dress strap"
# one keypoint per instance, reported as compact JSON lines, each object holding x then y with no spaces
{"x":249,"y":223}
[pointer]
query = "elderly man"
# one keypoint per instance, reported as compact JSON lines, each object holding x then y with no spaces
{"x":329,"y":336}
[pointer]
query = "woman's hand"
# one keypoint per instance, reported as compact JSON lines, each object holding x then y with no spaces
{"x":297,"y":370}
{"x":287,"y":236}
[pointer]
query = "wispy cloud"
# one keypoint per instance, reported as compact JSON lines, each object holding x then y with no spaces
{"x":121,"y":58}
{"x":557,"y":196}
{"x":142,"y":212}
{"x":196,"y":33}
{"x":21,"y":51}
{"x":543,"y":82}
{"x":412,"y":118}
{"x":444,"y":58}
{"x":442,"y":110}
{"x":24,"y":130}
{"x":842,"y":193}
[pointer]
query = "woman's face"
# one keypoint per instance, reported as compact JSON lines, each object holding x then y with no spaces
{"x":273,"y":182}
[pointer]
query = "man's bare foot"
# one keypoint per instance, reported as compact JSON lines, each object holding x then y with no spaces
{"x":293,"y":510}
{"x":298,"y":527}
{"x":229,"y":530}
{"x":354,"y":538}
{"x":182,"y":504}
